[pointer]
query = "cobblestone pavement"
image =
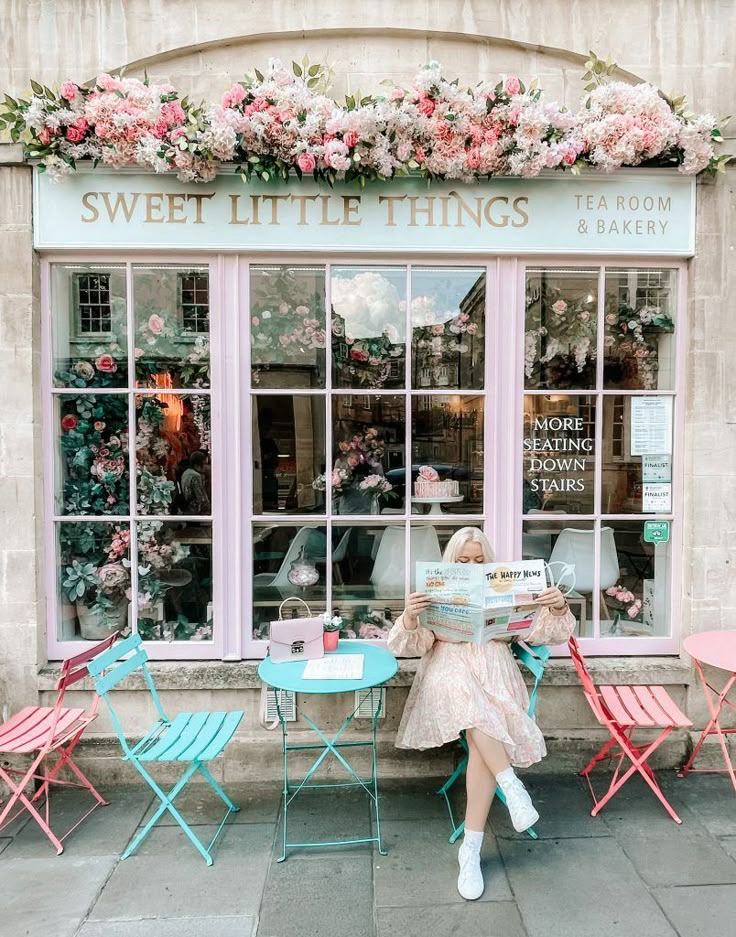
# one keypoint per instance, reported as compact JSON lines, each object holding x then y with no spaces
{"x":630,"y":871}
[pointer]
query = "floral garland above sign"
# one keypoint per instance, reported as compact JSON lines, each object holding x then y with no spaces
{"x":283,"y":122}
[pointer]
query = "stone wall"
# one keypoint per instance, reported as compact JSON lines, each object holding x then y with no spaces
{"x":202,"y":45}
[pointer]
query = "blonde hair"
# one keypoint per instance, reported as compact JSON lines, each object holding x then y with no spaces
{"x":465,"y":535}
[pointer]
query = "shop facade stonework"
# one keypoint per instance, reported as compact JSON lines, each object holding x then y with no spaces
{"x":202,"y":50}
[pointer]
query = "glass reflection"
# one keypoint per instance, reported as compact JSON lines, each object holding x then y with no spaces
{"x":559,"y":453}
{"x":368,"y":454}
{"x":447,"y":449}
{"x":561,"y":328}
{"x":89,"y":325}
{"x":289,"y":446}
{"x":368,"y":326}
{"x":287,"y":326}
{"x":639,"y":329}
{"x":447,"y":317}
{"x":638,"y":602}
{"x":172,"y":326}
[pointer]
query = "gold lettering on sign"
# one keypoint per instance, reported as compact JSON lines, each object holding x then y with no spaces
{"x":177,"y":205}
{"x":349,"y":209}
{"x":301,"y":201}
{"x":122,"y":203}
{"x":428,"y":210}
{"x":389,"y":200}
{"x":94,"y":212}
{"x":154,"y":203}
{"x":326,"y":220}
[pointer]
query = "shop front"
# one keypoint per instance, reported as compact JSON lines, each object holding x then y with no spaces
{"x":244,"y":385}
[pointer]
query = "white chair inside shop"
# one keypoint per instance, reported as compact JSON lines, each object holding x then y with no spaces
{"x":387,"y":577}
{"x":537,"y":546}
{"x":576,"y":547}
{"x":339,"y":554}
{"x":312,"y":541}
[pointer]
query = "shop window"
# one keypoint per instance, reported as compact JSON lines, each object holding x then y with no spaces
{"x":194,"y":302}
{"x":93,"y":306}
{"x":598,"y":442}
{"x":132,"y":494}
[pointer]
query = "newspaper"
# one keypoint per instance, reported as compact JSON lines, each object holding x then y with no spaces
{"x":478,"y":602}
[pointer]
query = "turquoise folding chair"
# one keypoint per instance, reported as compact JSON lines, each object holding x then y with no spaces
{"x":535,"y":660}
{"x":193,"y":739}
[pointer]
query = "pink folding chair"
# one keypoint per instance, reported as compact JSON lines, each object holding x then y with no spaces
{"x":49,"y":734}
{"x":622,"y":709}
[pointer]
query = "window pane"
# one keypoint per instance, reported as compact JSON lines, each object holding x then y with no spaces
{"x":92,"y":463}
{"x":559,"y":453}
{"x":172,"y":346}
{"x":637,"y":484}
{"x":88,"y":326}
{"x":639,"y":331}
{"x":173,"y":454}
{"x":638,"y":602}
{"x":93,"y":580}
{"x":289,"y":454}
{"x":561,"y":328}
{"x":368,"y":326}
{"x":174,"y":581}
{"x":448,"y":334}
{"x":288,"y":562}
{"x":368,"y":453}
{"x":563,"y":544}
{"x":447,"y":442}
{"x":287,"y":326}
{"x":368,"y":562}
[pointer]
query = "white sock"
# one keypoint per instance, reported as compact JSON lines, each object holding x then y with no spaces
{"x":505,"y":777}
{"x":473,"y":840}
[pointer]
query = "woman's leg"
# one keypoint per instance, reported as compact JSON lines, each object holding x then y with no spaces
{"x":490,"y":750}
{"x":493,"y":754}
{"x":480,"y":786}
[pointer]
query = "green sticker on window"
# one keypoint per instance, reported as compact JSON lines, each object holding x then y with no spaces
{"x":656,"y":531}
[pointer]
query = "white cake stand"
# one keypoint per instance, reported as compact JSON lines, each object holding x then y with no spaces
{"x":436,"y":502}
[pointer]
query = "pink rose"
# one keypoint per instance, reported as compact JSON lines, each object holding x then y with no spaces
{"x":73,"y":135}
{"x":68,"y":90}
{"x":397,"y":94}
{"x":44,"y":136}
{"x":472,"y":158}
{"x":438,"y":329}
{"x":155,"y":324}
{"x":138,"y":353}
{"x":306,"y":162}
{"x":69,"y":422}
{"x":428,"y":473}
{"x":106,"y":364}
{"x":472,"y":328}
{"x":512,"y":85}
{"x":420,"y":154}
{"x":255,"y":320}
{"x":559,"y":307}
{"x":234,"y":96}
{"x":350,"y":139}
{"x":426,"y":106}
{"x":99,"y":426}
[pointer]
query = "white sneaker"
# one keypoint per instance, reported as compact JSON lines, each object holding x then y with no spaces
{"x":470,"y":880}
{"x":521,"y":809}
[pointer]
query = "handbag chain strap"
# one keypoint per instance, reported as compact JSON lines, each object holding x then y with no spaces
{"x":294,"y":598}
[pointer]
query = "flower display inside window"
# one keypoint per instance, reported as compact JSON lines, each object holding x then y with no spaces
{"x":93,"y":437}
{"x":94,"y":579}
{"x":287,"y":334}
{"x":357,"y":479}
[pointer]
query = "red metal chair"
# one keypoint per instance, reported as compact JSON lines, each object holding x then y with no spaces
{"x":44,"y":732}
{"x":622,"y":709}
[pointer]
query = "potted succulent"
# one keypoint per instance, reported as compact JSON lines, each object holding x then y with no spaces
{"x":331,"y":635}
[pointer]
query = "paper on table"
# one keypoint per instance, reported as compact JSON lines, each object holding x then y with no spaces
{"x":334,"y":667}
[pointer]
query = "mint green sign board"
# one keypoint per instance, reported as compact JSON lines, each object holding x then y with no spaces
{"x":656,"y":531}
{"x":644,"y":212}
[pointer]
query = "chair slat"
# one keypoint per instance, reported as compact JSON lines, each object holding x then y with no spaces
{"x":118,"y":674}
{"x":674,"y":712}
{"x":204,"y":737}
{"x":636,"y":706}
{"x":615,"y":706}
{"x":75,"y":668}
{"x":177,"y":737}
{"x":37,"y":735}
{"x":227,"y":730}
{"x":22,"y":722}
{"x":117,"y":651}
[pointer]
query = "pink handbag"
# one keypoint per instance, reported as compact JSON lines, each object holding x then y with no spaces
{"x":296,"y":638}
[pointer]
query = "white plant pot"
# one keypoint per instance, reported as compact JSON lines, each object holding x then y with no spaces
{"x":96,"y":624}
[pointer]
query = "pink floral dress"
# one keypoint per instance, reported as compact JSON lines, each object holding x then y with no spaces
{"x":460,"y":686}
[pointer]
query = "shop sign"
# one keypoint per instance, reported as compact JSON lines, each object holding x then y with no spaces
{"x":647,"y":212}
{"x":656,"y":531}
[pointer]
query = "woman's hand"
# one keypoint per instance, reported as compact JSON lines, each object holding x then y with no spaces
{"x":416,"y":603}
{"x":553,"y":599}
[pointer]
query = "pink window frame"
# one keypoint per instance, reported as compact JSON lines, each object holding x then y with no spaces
{"x":232,"y":444}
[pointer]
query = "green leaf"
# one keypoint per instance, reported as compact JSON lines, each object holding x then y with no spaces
{"x":297,"y":69}
{"x":313,"y":70}
{"x":312,"y":82}
{"x":37,"y":89}
{"x":258,"y":74}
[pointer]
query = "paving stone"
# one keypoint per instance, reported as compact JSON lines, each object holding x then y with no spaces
{"x":564,"y":804}
{"x":152,"y":883}
{"x":471,"y":919}
{"x":579,"y":887}
{"x":421,"y":867}
{"x":709,"y":796}
{"x":699,"y":911}
{"x":729,"y":844}
{"x":313,"y":899}
{"x":50,"y":896}
{"x":328,"y":816}
{"x":198,"y":803}
{"x":226,"y":926}
{"x":419,"y":800}
{"x":4,"y":843}
{"x":105,"y":832}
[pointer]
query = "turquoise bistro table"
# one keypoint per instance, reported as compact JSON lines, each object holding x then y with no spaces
{"x":379,"y":665}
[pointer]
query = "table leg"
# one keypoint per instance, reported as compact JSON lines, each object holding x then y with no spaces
{"x":715,"y":712}
{"x":376,"y":710}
